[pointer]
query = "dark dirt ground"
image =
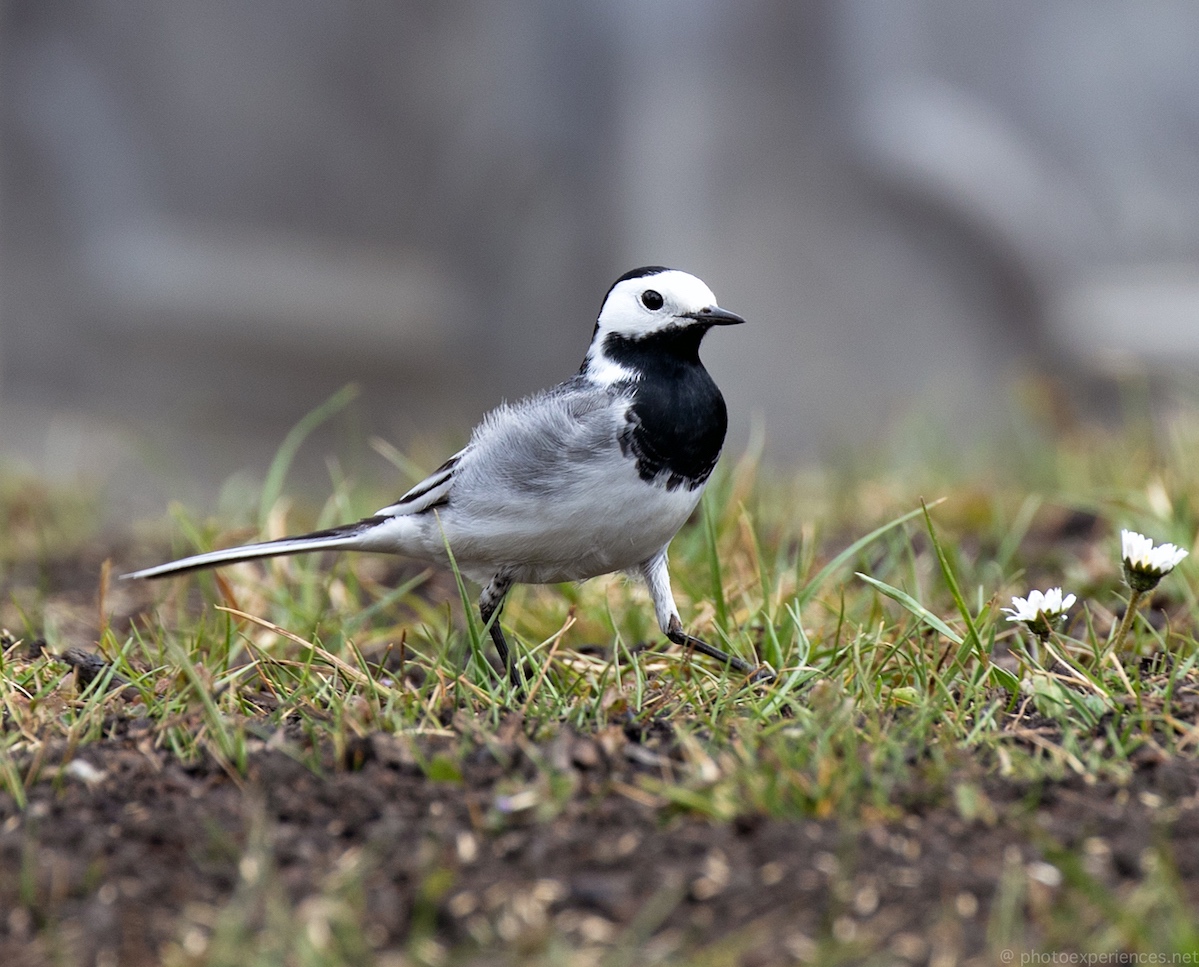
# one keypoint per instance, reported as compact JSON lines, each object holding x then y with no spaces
{"x":136,"y":857}
{"x":133,"y":860}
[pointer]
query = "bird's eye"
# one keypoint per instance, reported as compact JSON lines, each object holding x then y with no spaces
{"x":652,"y":299}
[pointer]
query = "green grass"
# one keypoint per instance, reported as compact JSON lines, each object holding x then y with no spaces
{"x":876,"y":595}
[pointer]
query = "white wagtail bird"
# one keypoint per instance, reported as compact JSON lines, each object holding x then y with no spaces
{"x":592,"y":476}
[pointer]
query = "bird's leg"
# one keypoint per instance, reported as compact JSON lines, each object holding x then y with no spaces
{"x":657,"y":579}
{"x":490,"y":602}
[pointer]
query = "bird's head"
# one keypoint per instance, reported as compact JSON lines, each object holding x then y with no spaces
{"x":651,"y":309}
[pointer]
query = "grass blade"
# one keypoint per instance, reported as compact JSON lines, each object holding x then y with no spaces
{"x":914,"y":606}
{"x":272,"y":488}
{"x":809,"y":590}
{"x":951,"y":581}
{"x":713,"y":555}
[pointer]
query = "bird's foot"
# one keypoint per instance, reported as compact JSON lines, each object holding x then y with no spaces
{"x":756,"y":673}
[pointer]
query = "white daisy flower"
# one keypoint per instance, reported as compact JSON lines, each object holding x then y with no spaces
{"x":1041,"y":611}
{"x":1144,"y":564}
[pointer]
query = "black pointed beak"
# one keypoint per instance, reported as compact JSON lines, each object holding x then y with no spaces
{"x":715,"y":316}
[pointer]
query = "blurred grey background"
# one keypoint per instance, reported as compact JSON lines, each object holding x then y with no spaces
{"x":214,"y":214}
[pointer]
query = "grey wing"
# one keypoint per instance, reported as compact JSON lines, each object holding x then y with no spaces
{"x":543,"y":493}
{"x":556,"y":442}
{"x":550,"y":444}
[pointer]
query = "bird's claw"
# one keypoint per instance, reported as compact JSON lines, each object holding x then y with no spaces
{"x":755,"y":673}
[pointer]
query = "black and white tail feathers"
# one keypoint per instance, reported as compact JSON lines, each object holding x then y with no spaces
{"x":385,"y":526}
{"x":346,"y":537}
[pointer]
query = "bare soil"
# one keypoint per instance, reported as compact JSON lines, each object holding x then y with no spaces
{"x":117,"y":863}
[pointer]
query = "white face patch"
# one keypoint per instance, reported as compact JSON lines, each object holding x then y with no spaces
{"x":632,"y":310}
{"x":636,"y":308}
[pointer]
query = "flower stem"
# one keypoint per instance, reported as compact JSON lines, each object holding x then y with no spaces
{"x":1134,"y":602}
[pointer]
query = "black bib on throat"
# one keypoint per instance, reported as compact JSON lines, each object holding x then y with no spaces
{"x":678,"y":417}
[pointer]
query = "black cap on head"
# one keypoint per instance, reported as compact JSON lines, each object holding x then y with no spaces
{"x":640,"y":273}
